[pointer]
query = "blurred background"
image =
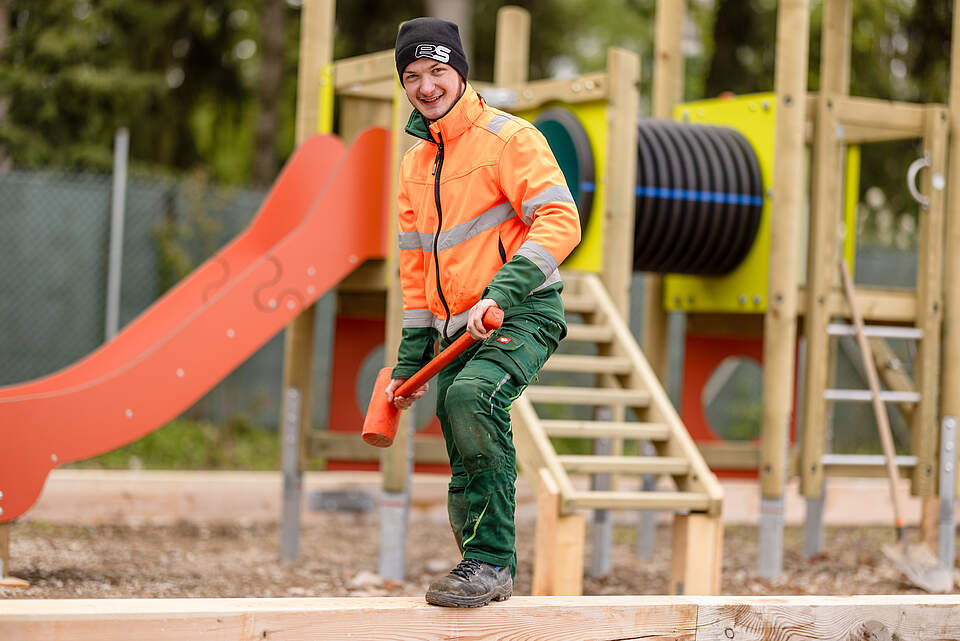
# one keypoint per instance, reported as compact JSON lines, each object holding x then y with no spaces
{"x":206,"y":91}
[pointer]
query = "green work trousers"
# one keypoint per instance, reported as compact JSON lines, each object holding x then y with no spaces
{"x":473,"y":404}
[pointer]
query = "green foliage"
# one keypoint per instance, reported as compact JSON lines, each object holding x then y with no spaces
{"x":190,"y":445}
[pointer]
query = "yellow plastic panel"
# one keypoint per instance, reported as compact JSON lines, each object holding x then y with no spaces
{"x":745,"y":288}
{"x":588,"y":256}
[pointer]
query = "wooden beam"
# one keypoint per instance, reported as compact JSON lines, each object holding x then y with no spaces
{"x":718,"y":618}
{"x":780,"y":320}
{"x":925,"y":428}
{"x":316,"y":52}
{"x":824,"y":244}
{"x":7,"y":581}
{"x":530,"y":95}
{"x":668,"y":80}
{"x":347,"y":446}
{"x":558,"y":547}
{"x":697,"y":557}
{"x":511,"y":60}
{"x":904,"y":118}
{"x":876,"y":304}
{"x":365,"y":69}
{"x":623,"y":68}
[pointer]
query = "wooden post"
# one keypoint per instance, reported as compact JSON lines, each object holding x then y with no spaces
{"x":950,"y":399}
{"x":511,"y":60}
{"x":697,"y":556}
{"x":925,"y":428}
{"x":558,"y":544}
{"x":780,"y":320}
{"x":7,"y":581}
{"x":623,"y":70}
{"x":668,"y":78}
{"x":824,"y":244}
{"x":316,"y":51}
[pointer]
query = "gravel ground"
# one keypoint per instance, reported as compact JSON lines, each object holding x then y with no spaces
{"x":339,"y":558}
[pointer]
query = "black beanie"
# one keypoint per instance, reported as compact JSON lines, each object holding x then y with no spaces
{"x":430,"y":38}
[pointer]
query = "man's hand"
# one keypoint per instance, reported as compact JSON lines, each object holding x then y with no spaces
{"x":475,"y":319}
{"x":403,"y":402}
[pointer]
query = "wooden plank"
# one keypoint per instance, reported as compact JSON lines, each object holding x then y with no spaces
{"x":534,"y":447}
{"x":361,"y":304}
{"x":593,"y":464}
{"x":591,"y":364}
{"x":578,"y":304}
{"x":876,"y":304}
{"x":371,"y":276}
{"x":925,"y":428}
{"x":730,"y":456}
{"x":780,"y":326}
{"x":589,"y":333}
{"x":590,"y":87}
{"x":696,"y":561}
{"x":586,"y":395}
{"x":558,"y":544}
{"x":830,"y":618}
{"x":910,"y":617}
{"x":950,"y":347}
{"x":346,"y":446}
{"x":654,"y":500}
{"x":511,"y":59}
{"x":606,"y":429}
{"x":359,"y":114}
{"x":903,"y":117}
{"x":824,"y":244}
{"x":368,"y":68}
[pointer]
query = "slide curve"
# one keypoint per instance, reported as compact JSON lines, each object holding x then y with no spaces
{"x":325,"y":215}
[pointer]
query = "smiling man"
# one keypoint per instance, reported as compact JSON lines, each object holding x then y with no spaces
{"x":485,"y":219}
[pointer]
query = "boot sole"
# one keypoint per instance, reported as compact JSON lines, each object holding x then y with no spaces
{"x":453,"y":601}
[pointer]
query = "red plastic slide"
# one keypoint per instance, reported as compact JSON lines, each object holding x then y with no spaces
{"x":325,"y":215}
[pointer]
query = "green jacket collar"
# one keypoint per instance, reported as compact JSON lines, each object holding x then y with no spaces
{"x":463,"y":114}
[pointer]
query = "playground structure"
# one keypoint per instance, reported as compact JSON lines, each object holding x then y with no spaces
{"x":369,"y":96}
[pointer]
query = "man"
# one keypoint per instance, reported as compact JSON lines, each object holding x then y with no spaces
{"x":485,"y":218}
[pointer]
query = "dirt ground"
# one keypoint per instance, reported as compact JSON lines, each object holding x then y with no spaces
{"x":339,"y":558}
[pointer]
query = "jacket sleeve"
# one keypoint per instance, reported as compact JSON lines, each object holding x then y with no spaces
{"x":531,"y":180}
{"x":416,"y":339}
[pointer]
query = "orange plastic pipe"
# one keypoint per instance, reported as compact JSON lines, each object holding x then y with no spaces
{"x":380,"y":424}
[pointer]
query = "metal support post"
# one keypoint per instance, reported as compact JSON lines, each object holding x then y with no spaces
{"x":947,"y":529}
{"x":602,"y":519}
{"x":770,"y":561}
{"x":813,"y":525}
{"x":395,"y":510}
{"x":292,"y":476}
{"x":647,"y":521}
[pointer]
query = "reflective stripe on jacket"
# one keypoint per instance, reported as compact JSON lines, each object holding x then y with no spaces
{"x":484,"y":210}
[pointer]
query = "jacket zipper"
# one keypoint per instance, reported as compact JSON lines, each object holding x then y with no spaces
{"x":437,"y":168}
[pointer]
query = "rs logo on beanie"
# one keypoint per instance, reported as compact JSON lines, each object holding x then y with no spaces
{"x":436,"y":52}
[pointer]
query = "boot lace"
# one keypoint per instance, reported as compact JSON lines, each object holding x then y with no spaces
{"x":466,"y":568}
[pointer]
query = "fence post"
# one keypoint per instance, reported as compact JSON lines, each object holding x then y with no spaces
{"x":121,"y":146}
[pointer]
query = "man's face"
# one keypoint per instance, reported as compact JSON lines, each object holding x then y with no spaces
{"x":432,"y":87}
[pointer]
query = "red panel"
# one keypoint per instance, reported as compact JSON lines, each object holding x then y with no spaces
{"x":355,"y":339}
{"x":702,"y":355}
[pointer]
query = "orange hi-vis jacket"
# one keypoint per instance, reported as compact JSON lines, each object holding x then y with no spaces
{"x":484,"y":212}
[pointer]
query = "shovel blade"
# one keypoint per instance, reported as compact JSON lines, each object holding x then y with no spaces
{"x":921,"y":567}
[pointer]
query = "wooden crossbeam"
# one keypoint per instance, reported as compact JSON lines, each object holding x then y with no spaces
{"x":904,"y":617}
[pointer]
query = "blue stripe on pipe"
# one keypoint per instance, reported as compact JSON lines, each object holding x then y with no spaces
{"x":700,"y":196}
{"x":587,"y":186}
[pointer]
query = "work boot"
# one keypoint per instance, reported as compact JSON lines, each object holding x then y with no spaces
{"x":471,"y":584}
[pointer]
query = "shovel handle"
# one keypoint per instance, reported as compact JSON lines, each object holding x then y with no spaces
{"x":492,"y":319}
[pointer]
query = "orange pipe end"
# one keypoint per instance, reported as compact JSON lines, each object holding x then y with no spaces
{"x":380,"y":423}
